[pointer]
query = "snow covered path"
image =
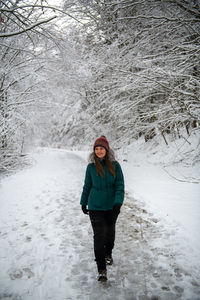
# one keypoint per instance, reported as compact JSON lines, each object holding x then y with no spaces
{"x":47,"y":250}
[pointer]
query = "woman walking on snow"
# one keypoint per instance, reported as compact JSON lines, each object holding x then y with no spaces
{"x":102,"y":197}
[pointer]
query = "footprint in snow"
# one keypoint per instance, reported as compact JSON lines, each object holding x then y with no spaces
{"x":18,"y":273}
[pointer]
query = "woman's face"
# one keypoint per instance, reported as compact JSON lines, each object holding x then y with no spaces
{"x":100,"y":152}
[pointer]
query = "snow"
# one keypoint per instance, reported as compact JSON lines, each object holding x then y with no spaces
{"x":166,"y":196}
{"x":46,"y":241}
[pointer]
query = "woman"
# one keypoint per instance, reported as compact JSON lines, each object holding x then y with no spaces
{"x":102,"y":197}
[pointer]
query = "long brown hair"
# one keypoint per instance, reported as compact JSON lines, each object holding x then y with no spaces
{"x":109,"y":158}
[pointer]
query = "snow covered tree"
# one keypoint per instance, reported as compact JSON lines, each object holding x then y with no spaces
{"x":27,"y":35}
{"x":144,"y":59}
{"x":129,"y":69}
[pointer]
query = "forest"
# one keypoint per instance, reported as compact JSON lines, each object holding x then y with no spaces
{"x":73,"y":70}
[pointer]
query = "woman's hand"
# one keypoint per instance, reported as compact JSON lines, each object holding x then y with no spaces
{"x":116,"y":209}
{"x":84,"y":209}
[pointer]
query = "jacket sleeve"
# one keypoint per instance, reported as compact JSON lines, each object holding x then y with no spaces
{"x":119,"y":185}
{"x":86,"y":187}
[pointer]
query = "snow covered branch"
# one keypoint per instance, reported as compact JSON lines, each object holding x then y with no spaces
{"x":177,"y":20}
{"x":4,"y":35}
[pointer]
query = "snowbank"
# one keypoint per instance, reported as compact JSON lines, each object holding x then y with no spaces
{"x":165,"y":179}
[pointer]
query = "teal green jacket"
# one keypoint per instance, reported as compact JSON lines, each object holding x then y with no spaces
{"x":102,"y":193}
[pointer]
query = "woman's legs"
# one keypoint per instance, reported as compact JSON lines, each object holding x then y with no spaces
{"x":103,"y":224}
{"x":99,"y":228}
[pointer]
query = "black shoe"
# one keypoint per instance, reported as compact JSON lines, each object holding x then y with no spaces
{"x":109,"y":259}
{"x":102,"y":276}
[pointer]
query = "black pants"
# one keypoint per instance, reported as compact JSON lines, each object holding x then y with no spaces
{"x":103,"y":224}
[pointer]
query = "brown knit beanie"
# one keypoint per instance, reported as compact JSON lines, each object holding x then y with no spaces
{"x":102,"y":142}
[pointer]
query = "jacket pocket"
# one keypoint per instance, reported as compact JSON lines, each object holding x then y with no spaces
{"x":97,"y":199}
